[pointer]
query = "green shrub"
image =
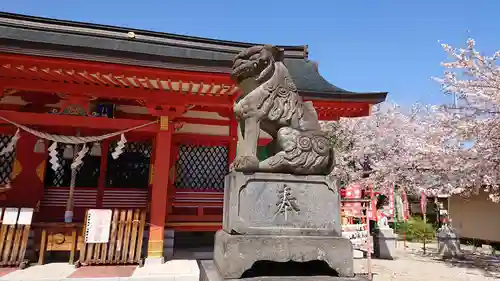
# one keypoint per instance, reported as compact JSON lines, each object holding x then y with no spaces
{"x":416,"y":229}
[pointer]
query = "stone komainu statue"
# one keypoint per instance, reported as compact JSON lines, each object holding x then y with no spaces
{"x":270,"y":102}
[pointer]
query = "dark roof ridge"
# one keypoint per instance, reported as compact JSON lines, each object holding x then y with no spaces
{"x":75,"y":27}
{"x":93,"y":42}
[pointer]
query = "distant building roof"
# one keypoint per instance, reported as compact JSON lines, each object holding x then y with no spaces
{"x":67,"y":39}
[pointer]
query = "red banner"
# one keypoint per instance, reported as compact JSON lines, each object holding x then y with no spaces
{"x":372,"y":211}
{"x":391,"y":201}
{"x":423,"y":203}
{"x":406,"y":207}
{"x":354,"y":208}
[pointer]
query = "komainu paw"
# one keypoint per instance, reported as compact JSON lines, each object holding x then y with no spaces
{"x":245,"y":164}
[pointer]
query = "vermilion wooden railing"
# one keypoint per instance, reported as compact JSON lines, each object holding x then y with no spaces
{"x":195,"y":206}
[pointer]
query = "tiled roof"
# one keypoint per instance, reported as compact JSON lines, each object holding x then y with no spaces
{"x":67,"y":39}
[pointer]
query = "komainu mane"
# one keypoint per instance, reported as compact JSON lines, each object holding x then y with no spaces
{"x":270,"y":102}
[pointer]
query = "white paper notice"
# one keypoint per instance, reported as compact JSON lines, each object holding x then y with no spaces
{"x":98,"y":226}
{"x":10,"y":216}
{"x":25,"y":216}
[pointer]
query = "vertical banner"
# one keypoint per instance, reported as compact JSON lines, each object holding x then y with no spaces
{"x":372,"y":210}
{"x":391,"y":201}
{"x":423,"y":203}
{"x":406,"y":207}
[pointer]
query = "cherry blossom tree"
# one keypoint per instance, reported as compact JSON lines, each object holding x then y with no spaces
{"x":390,"y":146}
{"x":474,"y":81}
{"x":440,"y":149}
{"x":420,"y":148}
{"x":475,"y":78}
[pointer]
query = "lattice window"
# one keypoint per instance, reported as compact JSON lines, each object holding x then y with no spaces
{"x":6,"y":160}
{"x":87,"y":173}
{"x":131,"y":169}
{"x":202,"y":167}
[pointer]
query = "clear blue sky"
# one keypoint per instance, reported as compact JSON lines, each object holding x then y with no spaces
{"x":370,"y":45}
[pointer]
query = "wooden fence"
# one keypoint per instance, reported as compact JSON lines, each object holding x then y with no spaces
{"x":125,"y":240}
{"x":14,"y":234}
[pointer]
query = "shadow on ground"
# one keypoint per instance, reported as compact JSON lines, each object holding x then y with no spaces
{"x":488,"y":264}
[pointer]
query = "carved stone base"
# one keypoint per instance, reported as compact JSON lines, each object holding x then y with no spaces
{"x":234,"y":254}
{"x":281,"y":204}
{"x":209,"y":272}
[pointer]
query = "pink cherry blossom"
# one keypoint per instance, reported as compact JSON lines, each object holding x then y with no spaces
{"x":442,"y":149}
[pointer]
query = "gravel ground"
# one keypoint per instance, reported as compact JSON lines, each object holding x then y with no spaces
{"x":411,"y":264}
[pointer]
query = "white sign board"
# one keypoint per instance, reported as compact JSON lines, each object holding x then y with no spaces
{"x":10,"y":216}
{"x":25,"y":216}
{"x":98,"y":226}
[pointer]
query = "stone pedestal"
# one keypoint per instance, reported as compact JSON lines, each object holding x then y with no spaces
{"x":234,"y":254}
{"x":281,"y":204}
{"x":280,"y":218}
{"x":384,"y":243}
{"x":448,"y":242}
{"x":209,"y":272}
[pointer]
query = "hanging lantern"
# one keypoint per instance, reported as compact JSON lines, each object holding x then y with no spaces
{"x":96,"y":149}
{"x":68,"y":152}
{"x":39,"y":146}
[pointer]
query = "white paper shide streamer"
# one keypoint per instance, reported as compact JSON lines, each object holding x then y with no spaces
{"x":12,"y":144}
{"x":119,"y":147}
{"x":78,"y":160}
{"x":54,"y":161}
{"x":70,"y":140}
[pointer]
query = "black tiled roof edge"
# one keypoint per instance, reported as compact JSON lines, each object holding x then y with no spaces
{"x":144,"y":36}
{"x":74,"y":40}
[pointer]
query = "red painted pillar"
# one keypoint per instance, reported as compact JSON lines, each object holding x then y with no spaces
{"x":159,"y":188}
{"x":101,"y":183}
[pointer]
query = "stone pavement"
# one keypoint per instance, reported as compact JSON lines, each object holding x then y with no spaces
{"x":174,"y":270}
{"x":410,"y":265}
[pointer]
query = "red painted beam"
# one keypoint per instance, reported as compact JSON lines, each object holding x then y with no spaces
{"x":136,"y":116}
{"x":82,"y":131}
{"x":203,"y":121}
{"x":189,"y":120}
{"x":157,"y":96}
{"x":116,"y":69}
{"x":7,"y":106}
{"x":53,"y":120}
{"x":7,"y":130}
{"x":198,"y":139}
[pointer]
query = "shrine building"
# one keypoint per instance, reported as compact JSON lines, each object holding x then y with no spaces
{"x":170,"y":96}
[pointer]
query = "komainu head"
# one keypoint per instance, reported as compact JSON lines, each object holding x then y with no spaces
{"x":256,"y":62}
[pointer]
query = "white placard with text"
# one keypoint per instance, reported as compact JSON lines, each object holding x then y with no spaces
{"x":10,"y":216}
{"x":25,"y":216}
{"x":98,"y":226}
